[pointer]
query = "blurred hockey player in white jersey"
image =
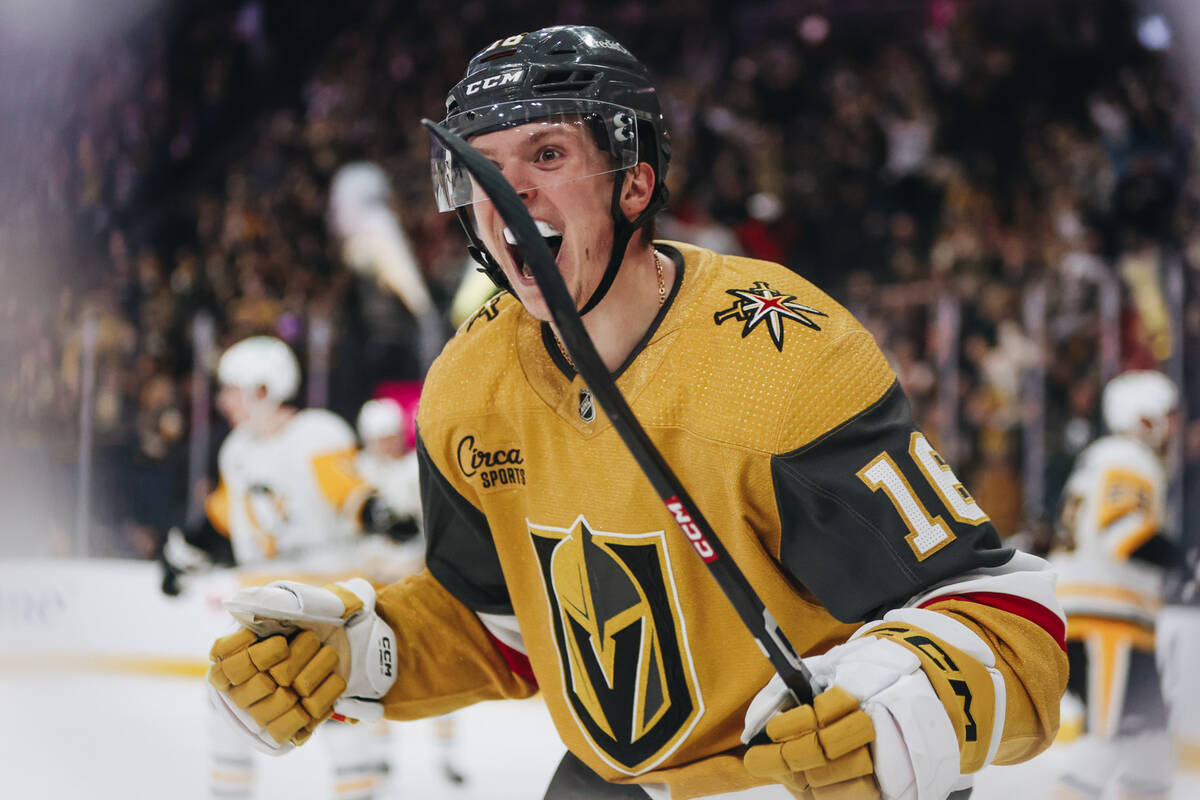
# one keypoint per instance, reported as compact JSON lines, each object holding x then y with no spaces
{"x":1110,"y":553}
{"x":388,"y":463}
{"x":293,"y":505}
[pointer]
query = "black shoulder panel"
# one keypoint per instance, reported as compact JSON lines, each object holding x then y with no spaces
{"x":459,"y":550}
{"x":848,"y":543}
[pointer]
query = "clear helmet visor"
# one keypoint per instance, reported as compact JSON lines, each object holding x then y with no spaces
{"x":536,"y":144}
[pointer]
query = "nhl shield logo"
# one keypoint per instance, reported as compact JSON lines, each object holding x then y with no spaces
{"x":760,"y":303}
{"x":627,"y":671}
{"x":587,"y":405}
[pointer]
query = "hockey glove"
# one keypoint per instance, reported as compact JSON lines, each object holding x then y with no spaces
{"x":819,"y":751}
{"x":191,"y":551}
{"x":181,"y":561}
{"x":304,"y":654}
{"x":934,"y":700}
{"x":379,"y":517}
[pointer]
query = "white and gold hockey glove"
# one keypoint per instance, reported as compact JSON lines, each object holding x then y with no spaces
{"x":906,"y":708}
{"x":304,"y":654}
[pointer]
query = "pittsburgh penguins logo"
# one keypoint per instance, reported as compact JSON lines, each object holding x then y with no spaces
{"x":268,"y":515}
{"x":627,"y":672}
{"x":760,"y":303}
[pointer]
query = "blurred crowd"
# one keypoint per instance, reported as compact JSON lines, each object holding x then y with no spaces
{"x":941,"y":167}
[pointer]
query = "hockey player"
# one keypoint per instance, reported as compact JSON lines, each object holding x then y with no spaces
{"x":1110,"y":555}
{"x":292,"y":504}
{"x":385,"y":460}
{"x":553,"y":564}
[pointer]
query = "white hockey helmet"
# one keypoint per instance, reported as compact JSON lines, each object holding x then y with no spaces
{"x":261,"y":361}
{"x":381,"y":418}
{"x":1140,"y":395}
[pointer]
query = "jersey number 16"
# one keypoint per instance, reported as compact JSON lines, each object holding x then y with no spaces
{"x":926,"y":533}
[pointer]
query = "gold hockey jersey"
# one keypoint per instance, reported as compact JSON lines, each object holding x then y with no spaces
{"x":786,"y":425}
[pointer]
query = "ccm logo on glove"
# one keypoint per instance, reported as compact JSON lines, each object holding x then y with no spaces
{"x":385,"y":656}
{"x":940,"y":659}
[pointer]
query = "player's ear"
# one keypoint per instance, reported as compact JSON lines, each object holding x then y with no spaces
{"x":639,"y":186}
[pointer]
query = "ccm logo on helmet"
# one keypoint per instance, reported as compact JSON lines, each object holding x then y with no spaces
{"x":495,"y":81}
{"x":691,"y":531}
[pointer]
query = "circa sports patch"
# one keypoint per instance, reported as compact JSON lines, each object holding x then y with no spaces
{"x":490,"y":467}
{"x":760,"y":303}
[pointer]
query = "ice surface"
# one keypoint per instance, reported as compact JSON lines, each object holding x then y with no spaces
{"x":107,"y":736}
{"x":74,"y":733}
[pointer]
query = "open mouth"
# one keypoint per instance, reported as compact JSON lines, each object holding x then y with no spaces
{"x":551,"y":235}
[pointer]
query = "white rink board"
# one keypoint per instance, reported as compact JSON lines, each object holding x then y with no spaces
{"x":78,"y":731}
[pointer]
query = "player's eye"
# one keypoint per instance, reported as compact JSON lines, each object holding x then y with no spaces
{"x":548,"y":154}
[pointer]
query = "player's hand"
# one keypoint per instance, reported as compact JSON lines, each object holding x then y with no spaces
{"x":819,"y":751}
{"x":304,"y":654}
{"x":181,"y":561}
{"x":934,"y":701}
{"x":379,"y":517}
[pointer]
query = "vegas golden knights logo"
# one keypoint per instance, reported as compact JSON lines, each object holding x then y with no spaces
{"x":627,"y":671}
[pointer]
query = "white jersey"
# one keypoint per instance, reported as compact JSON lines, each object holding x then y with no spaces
{"x":1113,"y":503}
{"x":290,"y":495}
{"x":398,"y":482}
{"x":396,"y":479}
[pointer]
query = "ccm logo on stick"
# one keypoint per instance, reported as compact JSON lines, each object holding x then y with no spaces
{"x":691,"y":531}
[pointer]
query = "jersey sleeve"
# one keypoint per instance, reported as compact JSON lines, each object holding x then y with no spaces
{"x":1033,"y":667}
{"x":332,"y":454}
{"x":216,"y":508}
{"x":871,"y":515}
{"x":1127,"y":511}
{"x":874,"y":519}
{"x":446,"y":657}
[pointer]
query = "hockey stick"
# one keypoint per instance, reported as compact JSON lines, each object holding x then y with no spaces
{"x":754,"y":614}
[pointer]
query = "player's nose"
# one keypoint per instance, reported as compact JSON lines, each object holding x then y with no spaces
{"x":520,"y":178}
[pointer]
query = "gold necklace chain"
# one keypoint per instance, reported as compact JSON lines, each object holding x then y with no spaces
{"x":662,"y":298}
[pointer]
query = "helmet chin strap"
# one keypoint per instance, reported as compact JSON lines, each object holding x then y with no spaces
{"x":623,"y":230}
{"x":475,"y":247}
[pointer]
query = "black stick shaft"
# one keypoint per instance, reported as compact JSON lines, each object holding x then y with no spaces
{"x":754,"y":614}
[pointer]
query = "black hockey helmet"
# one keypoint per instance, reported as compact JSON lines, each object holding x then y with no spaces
{"x":566,"y":70}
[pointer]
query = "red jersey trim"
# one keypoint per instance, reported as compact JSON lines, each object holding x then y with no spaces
{"x":1036,"y":613}
{"x":518,"y":662}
